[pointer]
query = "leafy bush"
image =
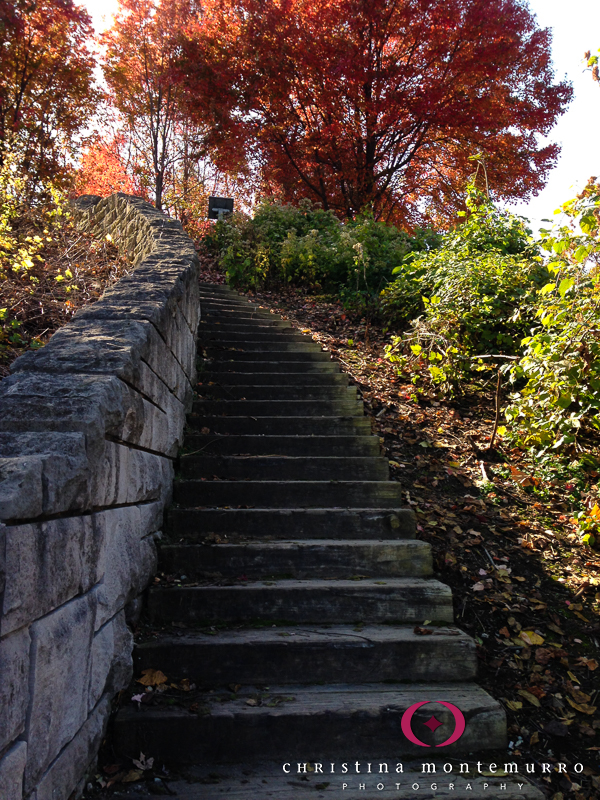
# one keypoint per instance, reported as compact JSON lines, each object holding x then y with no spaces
{"x":307,"y":246}
{"x":475,"y":294}
{"x":556,"y":413}
{"x":48,"y":269}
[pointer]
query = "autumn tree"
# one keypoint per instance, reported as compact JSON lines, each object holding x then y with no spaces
{"x":377,"y":103}
{"x":104,"y":168}
{"x":47,"y":92}
{"x":140,"y":52}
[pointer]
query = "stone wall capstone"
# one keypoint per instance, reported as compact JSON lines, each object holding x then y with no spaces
{"x":89,"y":427}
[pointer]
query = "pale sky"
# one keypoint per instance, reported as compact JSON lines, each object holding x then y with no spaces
{"x":576,"y":28}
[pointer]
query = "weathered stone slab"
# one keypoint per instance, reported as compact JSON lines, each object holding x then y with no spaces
{"x":96,"y":405}
{"x":47,"y":564}
{"x":61,"y":664}
{"x":128,"y":558}
{"x":121,"y":347}
{"x":111,"y":659}
{"x":67,"y":771}
{"x":14,"y":686}
{"x":125,"y":475}
{"x":152,"y":300}
{"x":12,"y":767}
{"x":156,"y":433}
{"x":21,"y":487}
{"x":151,"y":307}
{"x":42,"y":473}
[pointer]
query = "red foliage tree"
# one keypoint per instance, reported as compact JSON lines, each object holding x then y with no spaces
{"x":377,"y":103}
{"x":140,"y":50}
{"x":47,"y":89}
{"x":104,"y":170}
{"x":167,"y":148}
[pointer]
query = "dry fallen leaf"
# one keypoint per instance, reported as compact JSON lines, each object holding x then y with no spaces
{"x":514,"y":705}
{"x":555,"y":628}
{"x":543,"y":655}
{"x":531,"y":637}
{"x":152,"y":677}
{"x":530,"y":697}
{"x":579,"y":696}
{"x":584,"y":708}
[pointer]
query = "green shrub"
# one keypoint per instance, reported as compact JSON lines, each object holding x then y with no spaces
{"x":556,"y":410}
{"x":475,"y":295}
{"x":307,"y":246}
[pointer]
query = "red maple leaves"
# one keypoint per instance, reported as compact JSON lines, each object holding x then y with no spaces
{"x":377,"y":103}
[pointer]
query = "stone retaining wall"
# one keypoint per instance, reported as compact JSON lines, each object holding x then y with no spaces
{"x":89,"y":427}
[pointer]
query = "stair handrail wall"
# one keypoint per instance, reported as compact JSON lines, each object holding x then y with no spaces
{"x":89,"y":427}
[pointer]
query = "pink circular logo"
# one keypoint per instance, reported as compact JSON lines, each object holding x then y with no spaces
{"x":456,"y":713}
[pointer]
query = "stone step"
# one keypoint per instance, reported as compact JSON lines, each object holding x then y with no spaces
{"x":215,"y":304}
{"x":228,"y":315}
{"x":390,"y":600}
{"x":292,"y":654}
{"x":291,"y":523}
{"x":303,"y":353}
{"x":280,"y":408}
{"x":225,"y":346}
{"x":276,"y":393}
{"x":258,"y":780}
{"x":228,"y":330}
{"x":297,"y":446}
{"x":220,"y":336}
{"x":284,"y":468}
{"x":274,"y":426}
{"x":277,"y":365}
{"x":302,"y":560}
{"x":208,"y":286}
{"x":232,"y":297}
{"x":288,"y":494}
{"x":323,"y":723}
{"x":298,"y":379}
{"x":277,"y":324}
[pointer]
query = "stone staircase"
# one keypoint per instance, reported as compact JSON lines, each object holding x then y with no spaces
{"x":314,"y":621}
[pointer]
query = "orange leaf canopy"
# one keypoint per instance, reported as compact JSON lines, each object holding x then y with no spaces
{"x":376,"y":103}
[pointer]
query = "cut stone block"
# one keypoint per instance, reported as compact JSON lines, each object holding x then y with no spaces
{"x":111,"y":668}
{"x":289,"y":655}
{"x":14,"y":686}
{"x":12,"y":767}
{"x":48,"y":563}
{"x":95,"y":405}
{"x":125,"y":475}
{"x":67,"y":771}
{"x":115,"y":347}
{"x":127,"y":560}
{"x":300,"y":723}
{"x":393,"y":600}
{"x":42,"y":473}
{"x":60,"y":665}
